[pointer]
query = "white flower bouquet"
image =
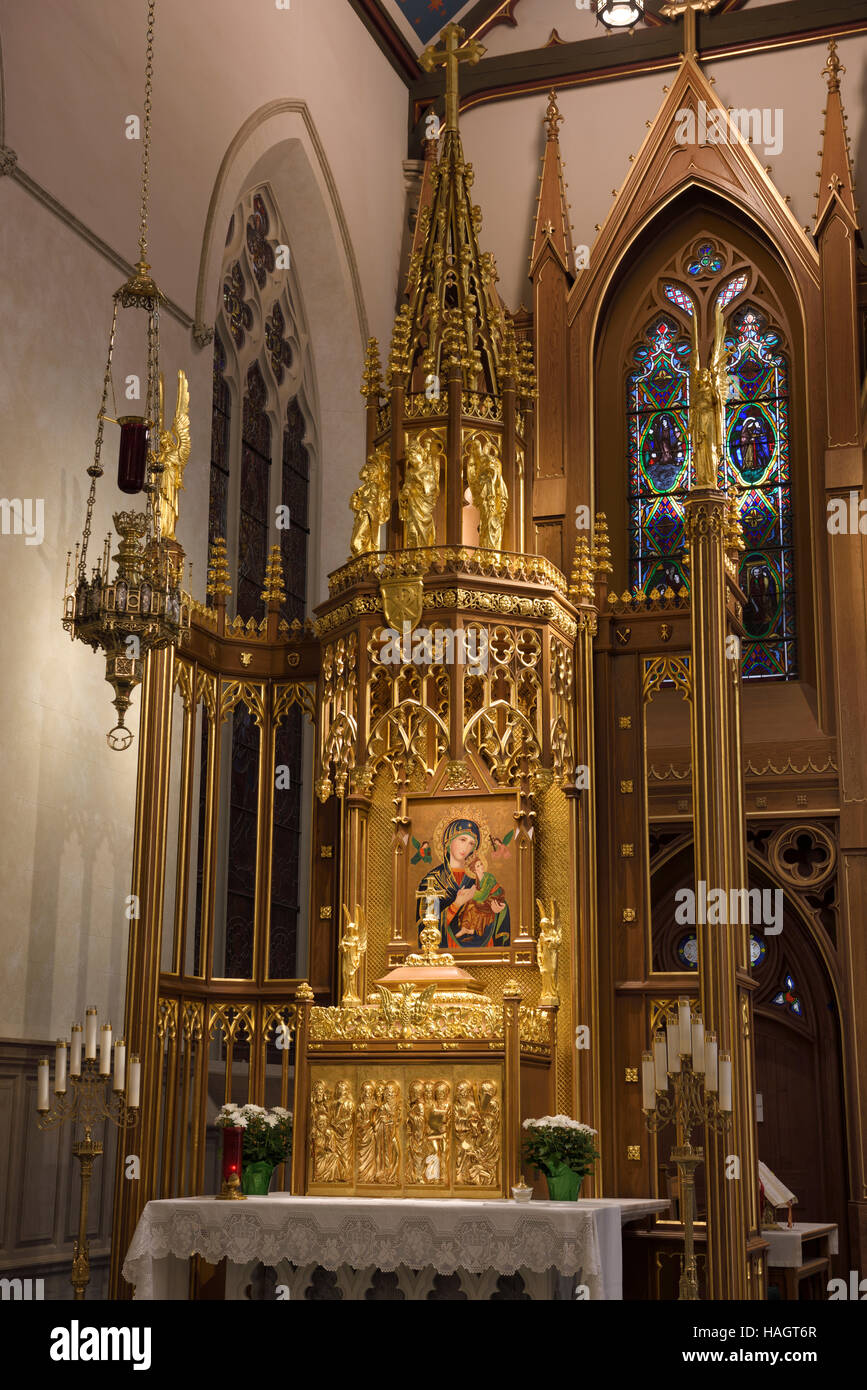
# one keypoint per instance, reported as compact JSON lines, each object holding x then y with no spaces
{"x":554,"y":1142}
{"x":267,"y":1133}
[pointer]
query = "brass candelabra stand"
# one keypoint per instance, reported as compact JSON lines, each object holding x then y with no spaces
{"x":686,"y":1082}
{"x":83,"y":1101}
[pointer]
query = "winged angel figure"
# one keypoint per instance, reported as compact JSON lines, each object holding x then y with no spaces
{"x":174,"y":452}
{"x":709,"y":389}
{"x":404,"y":1007}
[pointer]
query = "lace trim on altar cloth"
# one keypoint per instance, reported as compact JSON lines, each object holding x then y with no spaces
{"x":442,"y":1237}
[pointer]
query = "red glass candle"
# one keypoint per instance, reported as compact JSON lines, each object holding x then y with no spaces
{"x":232,"y":1140}
{"x":133,"y":454}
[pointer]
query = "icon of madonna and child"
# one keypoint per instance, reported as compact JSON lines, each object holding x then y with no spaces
{"x":473,"y":910}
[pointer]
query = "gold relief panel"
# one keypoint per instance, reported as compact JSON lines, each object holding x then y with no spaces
{"x":423,"y":1131}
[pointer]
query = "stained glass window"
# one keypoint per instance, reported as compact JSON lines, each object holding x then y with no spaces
{"x":758,"y":950}
{"x":238,"y":311}
{"x":255,"y":504}
{"x":679,"y":297}
{"x":757,"y":464}
{"x":687,"y":952}
{"x":221,"y":413}
{"x":788,"y":998}
{"x":757,"y":452}
{"x":731,"y":291}
{"x":657,"y":405}
{"x":278,"y":348}
{"x":260,"y":250}
{"x":708,"y":260}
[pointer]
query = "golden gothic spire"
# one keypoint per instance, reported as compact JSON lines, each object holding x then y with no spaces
{"x":836,"y":184}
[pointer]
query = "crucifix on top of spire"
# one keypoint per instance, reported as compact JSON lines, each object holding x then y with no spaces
{"x":452,"y":53}
{"x":673,"y":9}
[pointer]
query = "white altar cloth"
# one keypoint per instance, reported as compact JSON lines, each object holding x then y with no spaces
{"x":448,"y":1235}
{"x":785,"y":1245}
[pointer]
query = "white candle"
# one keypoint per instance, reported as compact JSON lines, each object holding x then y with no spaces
{"x":648,"y":1088}
{"x":90,"y":1035}
{"x":698,"y":1044}
{"x":660,"y":1058}
{"x":105,"y":1050}
{"x":672,"y":1028}
{"x":75,"y":1051}
{"x":60,"y":1066}
{"x":134,"y":1088}
{"x":685,"y":1025}
{"x":43,"y":1085}
{"x":725,"y":1081}
{"x":119,"y":1064}
{"x":710,"y":1062}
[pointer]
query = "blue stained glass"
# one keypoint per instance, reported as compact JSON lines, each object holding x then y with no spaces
{"x":758,"y":950}
{"x":708,"y":260}
{"x":680,"y":298}
{"x":687,"y":952}
{"x":757,"y":465}
{"x":788,"y":998}
{"x":731,"y":290}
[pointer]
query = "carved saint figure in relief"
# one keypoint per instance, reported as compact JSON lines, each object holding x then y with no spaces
{"x":708,"y":392}
{"x":416,"y":1126}
{"x":488,"y":491}
{"x":485,"y":1169}
{"x":439,"y":1112}
{"x":342,"y":1117}
{"x":466,"y":1127}
{"x":418,"y":496}
{"x":548,"y":950}
{"x":386,"y":1142}
{"x":323,"y":1141}
{"x":370,"y":502}
{"x":365,"y":1138}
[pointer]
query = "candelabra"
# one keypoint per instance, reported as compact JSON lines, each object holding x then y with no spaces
{"x":82,"y":1099}
{"x":686,"y":1082}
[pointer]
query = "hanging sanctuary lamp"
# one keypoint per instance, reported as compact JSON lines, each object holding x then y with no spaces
{"x":138,"y":608}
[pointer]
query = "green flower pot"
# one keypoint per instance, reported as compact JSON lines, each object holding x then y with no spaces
{"x":564,"y":1184}
{"x":256,"y":1178}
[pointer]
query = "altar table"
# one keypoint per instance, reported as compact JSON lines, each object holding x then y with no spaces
{"x":386,"y":1247}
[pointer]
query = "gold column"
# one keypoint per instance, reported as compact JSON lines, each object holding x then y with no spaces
{"x":720,"y":863}
{"x":143,"y":963}
{"x":354,"y":871}
{"x":583,"y":907}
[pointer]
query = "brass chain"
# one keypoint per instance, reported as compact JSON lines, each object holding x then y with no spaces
{"x":95,"y":469}
{"x":146,"y":145}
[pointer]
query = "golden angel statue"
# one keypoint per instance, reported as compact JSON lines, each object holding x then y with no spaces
{"x":708,"y":392}
{"x":548,"y":951}
{"x":418,"y":496}
{"x":353,"y":945}
{"x":489,"y":492}
{"x":370,"y":502}
{"x":174,"y":452}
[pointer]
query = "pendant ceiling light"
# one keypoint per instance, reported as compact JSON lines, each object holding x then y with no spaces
{"x":619,"y":14}
{"x":139,"y":607}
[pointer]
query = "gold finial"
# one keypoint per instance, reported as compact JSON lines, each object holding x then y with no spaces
{"x":833,"y":67}
{"x":274,"y":590}
{"x":552,"y":116}
{"x":734,"y":534}
{"x":581,"y":584}
{"x":511,"y":988}
{"x":371,"y":379}
{"x":218,"y":569}
{"x":527,"y":369}
{"x":601,"y":549}
{"x":509,"y":358}
{"x":453,"y":52}
{"x":304,"y":991}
